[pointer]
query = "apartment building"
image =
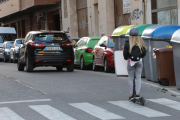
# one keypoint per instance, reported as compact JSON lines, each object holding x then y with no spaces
{"x":28,"y":15}
{"x":86,"y":17}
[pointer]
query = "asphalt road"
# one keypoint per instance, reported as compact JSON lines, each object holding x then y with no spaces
{"x":47,"y":94}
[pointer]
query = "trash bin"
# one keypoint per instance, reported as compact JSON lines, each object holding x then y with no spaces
{"x":157,"y":36}
{"x":165,"y":66}
{"x":140,"y":28}
{"x":118,"y":36}
{"x":175,"y":40}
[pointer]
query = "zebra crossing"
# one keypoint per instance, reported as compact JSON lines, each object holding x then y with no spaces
{"x":95,"y":111}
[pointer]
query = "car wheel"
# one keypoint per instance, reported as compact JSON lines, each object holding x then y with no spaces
{"x":14,"y":60}
{"x":1,"y":60}
{"x":95,"y":68}
{"x":29,"y":66}
{"x":59,"y":68}
{"x":70,"y":68}
{"x":106,"y":67}
{"x":10,"y":61}
{"x":5,"y":60}
{"x":20,"y":66}
{"x":82,"y":66}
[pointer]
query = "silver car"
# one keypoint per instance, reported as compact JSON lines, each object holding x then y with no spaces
{"x":5,"y":50}
{"x":14,"y":50}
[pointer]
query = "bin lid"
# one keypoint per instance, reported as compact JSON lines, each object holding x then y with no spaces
{"x":164,"y":50}
{"x":121,"y":30}
{"x":176,"y":37}
{"x":160,"y":32}
{"x":140,"y":28}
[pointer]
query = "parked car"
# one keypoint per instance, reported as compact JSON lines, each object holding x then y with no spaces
{"x":46,"y":48}
{"x":14,"y":50}
{"x":103,"y":54}
{"x":83,"y":51}
{"x":5,"y":51}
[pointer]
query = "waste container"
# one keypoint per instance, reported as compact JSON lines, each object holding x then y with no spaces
{"x":165,"y":66}
{"x":140,"y":28}
{"x":157,"y":36}
{"x":175,"y":40}
{"x":118,"y":36}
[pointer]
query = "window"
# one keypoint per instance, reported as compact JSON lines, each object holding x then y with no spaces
{"x":83,"y":43}
{"x":101,"y":41}
{"x":79,"y":42}
{"x":164,"y":12}
{"x":8,"y":45}
{"x":2,"y":1}
{"x":51,"y":37}
{"x":110,"y":43}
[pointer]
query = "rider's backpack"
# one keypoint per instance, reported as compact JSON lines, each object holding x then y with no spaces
{"x":136,"y":53}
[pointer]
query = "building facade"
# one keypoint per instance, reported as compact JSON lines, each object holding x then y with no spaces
{"x":86,"y":17}
{"x":29,"y":15}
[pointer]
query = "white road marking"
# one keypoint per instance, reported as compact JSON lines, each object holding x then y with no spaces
{"x":8,"y":114}
{"x":96,"y":111}
{"x":142,"y":110}
{"x":167,"y":102}
{"x":25,"y":101}
{"x":50,"y":112}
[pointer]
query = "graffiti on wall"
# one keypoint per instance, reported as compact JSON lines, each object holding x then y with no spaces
{"x":121,"y":21}
{"x":136,"y":14}
{"x":82,"y":24}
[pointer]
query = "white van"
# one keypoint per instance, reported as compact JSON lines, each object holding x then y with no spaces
{"x":7,"y":34}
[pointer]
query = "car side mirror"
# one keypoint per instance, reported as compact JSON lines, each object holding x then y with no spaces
{"x":102,"y":45}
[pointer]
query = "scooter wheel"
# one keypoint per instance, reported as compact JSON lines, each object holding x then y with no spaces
{"x":142,"y":101}
{"x":134,"y":100}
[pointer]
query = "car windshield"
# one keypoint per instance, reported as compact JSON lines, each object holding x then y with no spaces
{"x":8,"y":45}
{"x":9,"y":37}
{"x":110,"y":43}
{"x":51,"y":37}
{"x":18,"y":42}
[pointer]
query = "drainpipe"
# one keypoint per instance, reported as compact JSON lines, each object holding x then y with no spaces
{"x":143,"y":7}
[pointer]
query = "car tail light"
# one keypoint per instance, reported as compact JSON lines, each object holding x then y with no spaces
{"x":36,"y":60}
{"x":69,"y":44}
{"x":68,"y":60}
{"x":34,"y":44}
{"x":89,"y":50}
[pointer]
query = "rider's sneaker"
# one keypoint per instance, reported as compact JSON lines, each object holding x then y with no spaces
{"x":130,"y":98}
{"x":138,"y":96}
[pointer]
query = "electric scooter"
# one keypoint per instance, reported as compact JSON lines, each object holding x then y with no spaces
{"x":138,"y":99}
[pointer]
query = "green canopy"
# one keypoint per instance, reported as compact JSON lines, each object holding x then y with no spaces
{"x":121,"y":30}
{"x":140,"y":28}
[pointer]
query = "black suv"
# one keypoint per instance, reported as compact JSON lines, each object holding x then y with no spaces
{"x":46,"y":48}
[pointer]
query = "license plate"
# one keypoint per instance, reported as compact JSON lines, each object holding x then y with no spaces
{"x":53,"y":48}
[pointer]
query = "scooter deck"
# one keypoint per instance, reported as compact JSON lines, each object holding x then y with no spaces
{"x":138,"y":99}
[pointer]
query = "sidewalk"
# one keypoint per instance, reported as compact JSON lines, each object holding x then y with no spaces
{"x":171,"y":90}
